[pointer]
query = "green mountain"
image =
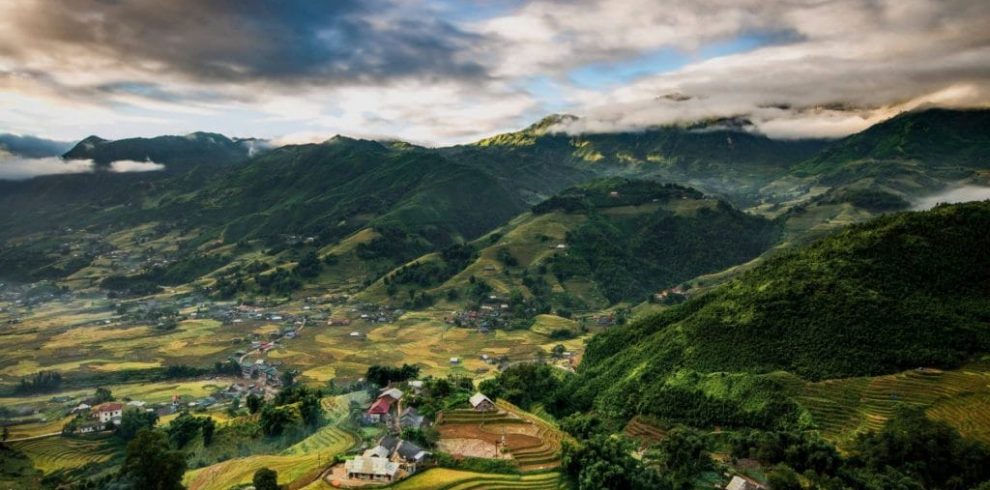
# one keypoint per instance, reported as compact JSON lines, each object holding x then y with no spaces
{"x":594,"y":245}
{"x":177,"y":153}
{"x":933,"y":137}
{"x":899,"y":292}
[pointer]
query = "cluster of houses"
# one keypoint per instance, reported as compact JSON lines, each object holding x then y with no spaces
{"x":261,"y":370}
{"x":388,"y":460}
{"x":394,"y":457}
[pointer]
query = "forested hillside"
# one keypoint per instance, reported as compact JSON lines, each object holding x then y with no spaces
{"x":899,"y":292}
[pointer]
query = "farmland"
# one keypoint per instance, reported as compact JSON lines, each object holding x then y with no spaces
{"x":845,"y":407}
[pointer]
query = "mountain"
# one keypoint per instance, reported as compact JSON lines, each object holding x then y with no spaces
{"x":899,"y":292}
{"x":710,"y":157}
{"x":177,"y":153}
{"x":932,"y":137}
{"x":592,"y":246}
{"x":31,"y":146}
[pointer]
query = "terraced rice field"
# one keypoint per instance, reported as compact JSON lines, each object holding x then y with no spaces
{"x":57,"y":453}
{"x":533,"y":442}
{"x":445,"y":479}
{"x":843,"y":408}
{"x":303,"y":459}
{"x":328,"y":440}
{"x":222,"y":476}
{"x":644,"y":432}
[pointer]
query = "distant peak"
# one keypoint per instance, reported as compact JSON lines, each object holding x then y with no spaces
{"x":92,"y":140}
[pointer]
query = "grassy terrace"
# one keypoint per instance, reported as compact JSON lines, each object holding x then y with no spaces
{"x":844,"y":407}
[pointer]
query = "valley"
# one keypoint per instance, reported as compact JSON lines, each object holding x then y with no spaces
{"x":679,"y":284}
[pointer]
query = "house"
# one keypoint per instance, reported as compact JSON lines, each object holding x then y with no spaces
{"x":416,"y":385}
{"x":371,"y":468}
{"x":109,"y":412}
{"x":407,"y":454}
{"x":82,"y":407}
{"x":339,"y":321}
{"x":377,"y":452}
{"x":378,"y":410}
{"x":481,"y":403}
{"x":394,"y":393}
{"x":742,"y":483}
{"x":411,"y":418}
{"x":455,"y":361}
{"x":136,"y":404}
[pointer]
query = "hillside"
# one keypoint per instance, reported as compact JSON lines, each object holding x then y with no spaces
{"x":933,"y":137}
{"x":596,"y":245}
{"x":898,"y":292}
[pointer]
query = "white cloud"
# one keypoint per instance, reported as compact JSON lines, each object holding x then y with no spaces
{"x":18,"y":168}
{"x":960,"y":194}
{"x":14,"y":167}
{"x":126,"y":166}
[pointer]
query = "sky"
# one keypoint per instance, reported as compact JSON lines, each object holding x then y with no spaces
{"x":441,"y":72}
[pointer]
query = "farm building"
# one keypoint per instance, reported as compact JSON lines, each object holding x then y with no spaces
{"x":109,"y":412}
{"x":411,"y":418}
{"x":394,"y":393}
{"x":378,"y":410}
{"x":481,"y":403}
{"x":743,"y":483}
{"x":371,"y":468}
{"x":405,"y":453}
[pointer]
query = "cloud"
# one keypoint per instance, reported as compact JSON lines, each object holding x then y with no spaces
{"x":13,"y":167}
{"x":242,"y":41}
{"x":441,"y":72}
{"x":960,"y":194}
{"x":126,"y":166}
{"x":32,"y":147}
{"x":21,"y":168}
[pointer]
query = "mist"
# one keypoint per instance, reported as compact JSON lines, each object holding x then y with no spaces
{"x":13,"y":167}
{"x":960,"y":194}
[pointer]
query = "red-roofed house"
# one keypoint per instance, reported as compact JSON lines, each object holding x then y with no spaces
{"x":108,"y":411}
{"x":379,"y":409}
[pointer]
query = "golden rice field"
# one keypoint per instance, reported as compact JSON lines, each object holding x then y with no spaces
{"x":447,"y":479}
{"x":845,"y":407}
{"x":58,"y":453}
{"x":294,"y":462}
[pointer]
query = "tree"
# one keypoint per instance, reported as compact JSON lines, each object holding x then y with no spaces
{"x":310,"y":410}
{"x":183,"y":429}
{"x":208,"y":427}
{"x":309,"y":265}
{"x":150,"y":464}
{"x":288,"y":378}
{"x":253,"y":403}
{"x":265,"y":479}
{"x":684,"y":454}
{"x":274,"y":420}
{"x":606,"y":462}
{"x":235,"y":406}
{"x":102,"y":395}
{"x":783,"y":478}
{"x":133,"y":420}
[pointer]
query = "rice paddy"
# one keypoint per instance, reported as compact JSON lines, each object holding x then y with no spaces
{"x":844,"y":407}
{"x":59,"y":453}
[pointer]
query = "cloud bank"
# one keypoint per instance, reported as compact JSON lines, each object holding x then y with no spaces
{"x":440,"y":72}
{"x":13,"y":167}
{"x":960,"y":194}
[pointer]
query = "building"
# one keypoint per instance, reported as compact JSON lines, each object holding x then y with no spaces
{"x":371,"y":468}
{"x":743,"y":483}
{"x":406,"y":454}
{"x":108,"y":412}
{"x":379,"y":410}
{"x":394,"y":393}
{"x":411,"y":418}
{"x":481,"y":403}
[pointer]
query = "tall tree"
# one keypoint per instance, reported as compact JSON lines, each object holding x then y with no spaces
{"x":150,"y":464}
